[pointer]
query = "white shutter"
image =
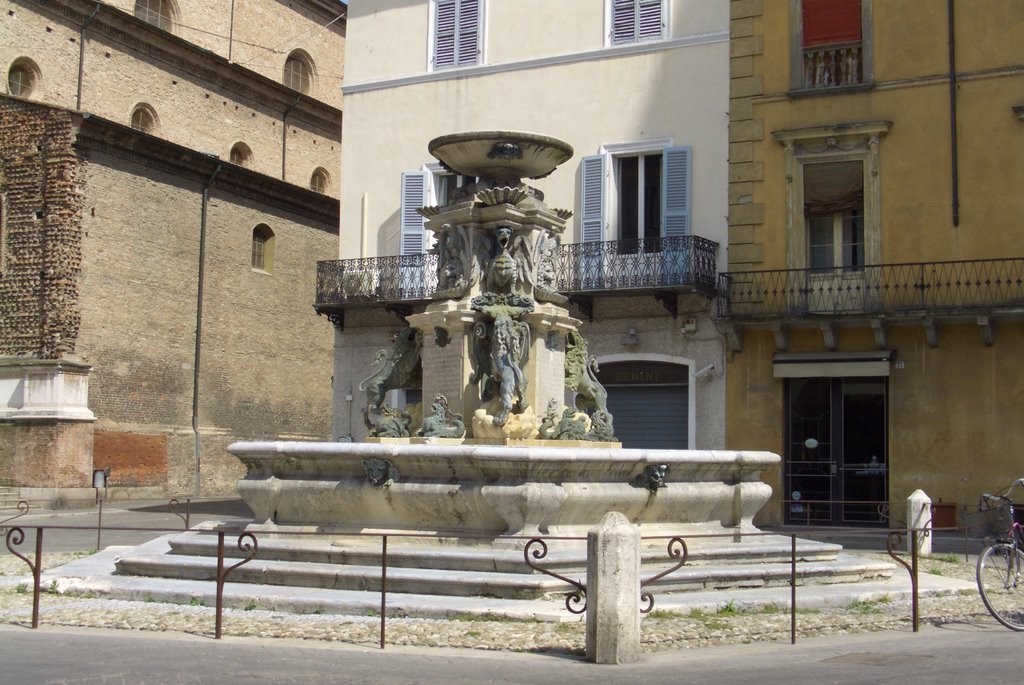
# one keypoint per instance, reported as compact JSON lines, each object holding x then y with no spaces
{"x":650,"y":20}
{"x":414,"y":197}
{"x":444,"y":33}
{"x":676,"y":177}
{"x":623,"y":21}
{"x":592,"y":205}
{"x":469,"y":32}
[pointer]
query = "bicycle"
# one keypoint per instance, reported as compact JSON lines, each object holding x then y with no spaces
{"x":1001,"y":565}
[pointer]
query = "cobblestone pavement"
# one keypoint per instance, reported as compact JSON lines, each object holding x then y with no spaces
{"x":660,"y":630}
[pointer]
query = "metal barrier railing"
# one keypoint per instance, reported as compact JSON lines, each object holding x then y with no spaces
{"x":535,"y":549}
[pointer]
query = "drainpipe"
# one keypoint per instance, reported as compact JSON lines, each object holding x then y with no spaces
{"x":284,"y":134}
{"x":231,"y":30}
{"x":81,"y":54}
{"x":952,"y":112}
{"x":199,"y":323}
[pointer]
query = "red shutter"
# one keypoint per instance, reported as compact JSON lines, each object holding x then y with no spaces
{"x":831,"y":22}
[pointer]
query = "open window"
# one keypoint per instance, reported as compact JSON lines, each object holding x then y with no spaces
{"x":263,"y":248}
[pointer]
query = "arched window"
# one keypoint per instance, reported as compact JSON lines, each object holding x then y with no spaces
{"x":144,"y":118}
{"x":320,"y":181}
{"x":263,"y":248}
{"x":159,"y":13}
{"x":22,"y":77}
{"x":298,"y":72}
{"x":241,"y":154}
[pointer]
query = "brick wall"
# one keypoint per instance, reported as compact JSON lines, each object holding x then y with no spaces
{"x":39,"y":313}
{"x":51,"y":454}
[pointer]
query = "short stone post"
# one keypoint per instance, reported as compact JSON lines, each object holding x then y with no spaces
{"x":919,"y":515}
{"x":613,"y":591}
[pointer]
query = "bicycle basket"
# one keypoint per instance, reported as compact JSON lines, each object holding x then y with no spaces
{"x":989,"y":523}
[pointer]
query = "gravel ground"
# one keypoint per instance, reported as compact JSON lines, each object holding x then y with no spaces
{"x":660,"y":630}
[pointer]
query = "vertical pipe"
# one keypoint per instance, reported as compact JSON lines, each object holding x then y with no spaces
{"x":81,"y":55}
{"x":383,"y":587}
{"x":231,"y":30}
{"x":199,"y":323}
{"x":99,"y":528}
{"x":952,"y":111}
{"x":284,"y":136}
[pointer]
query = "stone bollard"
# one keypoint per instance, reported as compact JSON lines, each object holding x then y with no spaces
{"x":919,"y":515}
{"x":613,"y":591}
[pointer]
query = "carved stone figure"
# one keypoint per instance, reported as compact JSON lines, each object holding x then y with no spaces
{"x":398,"y":368}
{"x":500,"y":351}
{"x":451,"y":252}
{"x":652,"y":477}
{"x":380,"y":472}
{"x":601,"y":427}
{"x":581,"y":376}
{"x":442,"y":423}
{"x":546,"y":259}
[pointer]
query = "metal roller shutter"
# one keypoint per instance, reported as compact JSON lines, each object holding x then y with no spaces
{"x":650,"y":416}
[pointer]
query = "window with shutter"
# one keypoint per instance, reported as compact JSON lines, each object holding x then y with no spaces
{"x":592,"y":204}
{"x":457,"y":29}
{"x":636,"y":20}
{"x":414,"y":197}
{"x":676,"y":198}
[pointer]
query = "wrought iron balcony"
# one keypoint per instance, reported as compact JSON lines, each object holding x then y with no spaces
{"x":680,"y":264}
{"x":921,"y":288}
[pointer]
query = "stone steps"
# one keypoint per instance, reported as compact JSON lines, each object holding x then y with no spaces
{"x":9,"y":498}
{"x":502,"y":573}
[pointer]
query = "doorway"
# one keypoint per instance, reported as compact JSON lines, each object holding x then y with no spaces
{"x":836,"y":462}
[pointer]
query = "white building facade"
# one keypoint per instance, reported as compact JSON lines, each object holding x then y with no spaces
{"x":639,"y":89}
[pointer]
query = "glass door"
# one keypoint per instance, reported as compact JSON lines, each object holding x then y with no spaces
{"x":836,"y":464}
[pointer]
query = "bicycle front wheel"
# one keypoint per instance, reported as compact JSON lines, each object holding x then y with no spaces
{"x":1000,"y":584}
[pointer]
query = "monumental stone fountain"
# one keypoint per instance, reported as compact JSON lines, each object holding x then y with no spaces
{"x":517,"y":440}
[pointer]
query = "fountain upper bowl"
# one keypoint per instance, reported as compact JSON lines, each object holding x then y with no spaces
{"x":500,"y":155}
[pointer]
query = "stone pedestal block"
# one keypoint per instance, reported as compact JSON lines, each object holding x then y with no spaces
{"x":613,"y":591}
{"x":919,"y":515}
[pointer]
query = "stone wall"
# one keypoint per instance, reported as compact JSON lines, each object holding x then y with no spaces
{"x":51,"y":454}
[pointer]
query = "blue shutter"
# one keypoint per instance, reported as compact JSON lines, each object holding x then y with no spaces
{"x":623,"y":21}
{"x":444,"y":33}
{"x":675,"y":205}
{"x":649,"y":21}
{"x":592,"y":204}
{"x":469,"y":33}
{"x":414,"y":197}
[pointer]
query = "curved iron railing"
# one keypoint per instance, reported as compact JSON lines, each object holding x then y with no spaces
{"x":683,"y":262}
{"x":928,"y":287}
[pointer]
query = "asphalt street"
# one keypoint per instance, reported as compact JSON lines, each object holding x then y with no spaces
{"x":950,"y":654}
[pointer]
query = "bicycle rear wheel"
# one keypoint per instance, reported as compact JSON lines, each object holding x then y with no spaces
{"x":1000,"y":584}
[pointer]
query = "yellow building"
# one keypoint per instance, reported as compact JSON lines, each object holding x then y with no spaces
{"x":875,"y":288}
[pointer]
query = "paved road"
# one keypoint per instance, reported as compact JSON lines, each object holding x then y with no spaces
{"x":126,"y":514}
{"x":952,"y":654}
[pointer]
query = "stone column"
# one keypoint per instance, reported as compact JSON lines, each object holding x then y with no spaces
{"x":613,"y":591}
{"x":919,"y":515}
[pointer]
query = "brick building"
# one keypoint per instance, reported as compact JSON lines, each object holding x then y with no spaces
{"x":168,"y":181}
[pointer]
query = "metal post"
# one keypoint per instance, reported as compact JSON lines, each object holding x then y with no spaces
{"x":792,"y":589}
{"x":188,"y":513}
{"x":220,"y":583}
{"x":99,"y":528}
{"x":383,"y":587}
{"x":37,"y":571}
{"x":913,"y":574}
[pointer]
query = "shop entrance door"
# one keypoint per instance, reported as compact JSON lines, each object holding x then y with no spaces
{"x":836,"y":461}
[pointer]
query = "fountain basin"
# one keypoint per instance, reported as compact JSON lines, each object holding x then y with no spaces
{"x":499,"y":490}
{"x":503,"y":155}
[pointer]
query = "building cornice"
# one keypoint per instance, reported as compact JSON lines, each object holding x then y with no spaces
{"x":541,"y":63}
{"x":157,"y":44}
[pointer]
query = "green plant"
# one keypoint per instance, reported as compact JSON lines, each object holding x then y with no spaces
{"x":948,"y":558}
{"x":935,"y":571}
{"x":318,"y":610}
{"x":771,"y":608}
{"x":21,"y":588}
{"x":663,"y":613}
{"x":696,"y":613}
{"x":863,"y":606}
{"x":728,"y":609}
{"x":251,"y":604}
{"x":196,"y":602}
{"x":472,"y":633}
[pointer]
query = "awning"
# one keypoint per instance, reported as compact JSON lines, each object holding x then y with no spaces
{"x":831,"y":364}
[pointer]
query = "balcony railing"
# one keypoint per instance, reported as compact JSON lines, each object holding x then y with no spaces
{"x":946,"y":288}
{"x":680,"y":263}
{"x":831,"y":66}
